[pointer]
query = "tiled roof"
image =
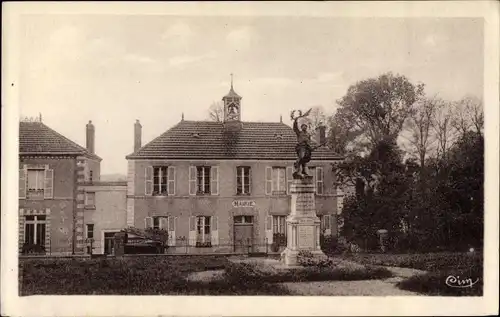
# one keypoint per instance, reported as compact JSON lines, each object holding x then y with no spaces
{"x":212,"y":140}
{"x":36,"y":138}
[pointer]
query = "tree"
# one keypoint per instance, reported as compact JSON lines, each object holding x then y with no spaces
{"x":419,"y":129}
{"x":442,"y":125}
{"x":216,"y":111}
{"x":316,"y":118}
{"x":376,"y":109}
{"x":468,"y":115}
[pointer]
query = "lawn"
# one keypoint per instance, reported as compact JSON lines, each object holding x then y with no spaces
{"x":440,"y":267}
{"x":155,"y":275}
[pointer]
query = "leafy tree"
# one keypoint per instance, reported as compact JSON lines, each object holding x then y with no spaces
{"x":375,"y":110}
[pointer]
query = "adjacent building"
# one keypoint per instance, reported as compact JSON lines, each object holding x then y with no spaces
{"x":52,"y":171}
{"x":64,"y":208}
{"x":223,"y":186}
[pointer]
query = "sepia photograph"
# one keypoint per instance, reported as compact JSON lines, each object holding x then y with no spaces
{"x":248,"y":152}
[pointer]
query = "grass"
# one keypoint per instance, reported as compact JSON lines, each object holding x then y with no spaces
{"x":439,"y":267}
{"x":155,"y":275}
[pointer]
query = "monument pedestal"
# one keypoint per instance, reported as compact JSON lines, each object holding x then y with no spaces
{"x":303,"y":226}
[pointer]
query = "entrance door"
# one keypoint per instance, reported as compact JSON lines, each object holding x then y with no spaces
{"x":109,"y":242}
{"x":243,"y":234}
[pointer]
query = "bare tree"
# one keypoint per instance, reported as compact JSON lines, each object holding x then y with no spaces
{"x":316,"y":118}
{"x":443,"y":129}
{"x":419,"y":130}
{"x":468,"y":115}
{"x":216,"y":111}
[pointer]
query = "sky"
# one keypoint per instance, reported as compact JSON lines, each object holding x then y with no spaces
{"x":114,"y":69}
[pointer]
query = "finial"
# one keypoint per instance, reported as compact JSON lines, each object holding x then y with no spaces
{"x":182,"y":117}
{"x":281,"y":119}
{"x":231,"y":80}
{"x":40,"y":116}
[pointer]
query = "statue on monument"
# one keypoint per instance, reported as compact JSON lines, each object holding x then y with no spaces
{"x":303,"y":147}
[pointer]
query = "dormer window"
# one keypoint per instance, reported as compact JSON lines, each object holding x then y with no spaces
{"x":196,"y":135}
{"x":278,"y":136}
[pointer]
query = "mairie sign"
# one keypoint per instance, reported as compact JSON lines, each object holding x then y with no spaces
{"x":243,"y":203}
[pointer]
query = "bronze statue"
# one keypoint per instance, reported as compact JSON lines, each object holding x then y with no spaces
{"x":303,"y":147}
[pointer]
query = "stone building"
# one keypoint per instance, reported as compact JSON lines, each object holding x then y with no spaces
{"x":63,"y":205}
{"x":223,"y":186}
{"x":52,"y":171}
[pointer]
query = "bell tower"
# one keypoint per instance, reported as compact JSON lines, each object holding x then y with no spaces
{"x":232,"y":105}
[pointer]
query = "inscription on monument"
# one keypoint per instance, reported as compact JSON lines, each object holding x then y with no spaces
{"x":305,"y":237}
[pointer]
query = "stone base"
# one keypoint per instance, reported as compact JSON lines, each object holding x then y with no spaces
{"x":290,"y":257}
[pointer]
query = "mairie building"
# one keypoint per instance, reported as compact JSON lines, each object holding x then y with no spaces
{"x":223,"y":186}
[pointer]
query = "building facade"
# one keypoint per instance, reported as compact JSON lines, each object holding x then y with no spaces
{"x":52,"y":171}
{"x":223,"y":186}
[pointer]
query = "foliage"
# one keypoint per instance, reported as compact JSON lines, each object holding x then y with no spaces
{"x":141,"y":275}
{"x":251,"y":273}
{"x":422,"y":261}
{"x":373,"y":110}
{"x":307,"y":259}
{"x":33,"y":249}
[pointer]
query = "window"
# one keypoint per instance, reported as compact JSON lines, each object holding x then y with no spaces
{"x":90,"y":200}
{"x":34,"y":230}
{"x":36,"y":182}
{"x":156,"y":222}
{"x":203,"y":229}
{"x":317,"y":174}
{"x":90,"y":176}
{"x":279,"y":224}
{"x":279,"y":181}
{"x":160,"y":180}
{"x":203,"y":180}
{"x":90,"y":231}
{"x":326,"y":225}
{"x":243,"y":219}
{"x":243,"y":180}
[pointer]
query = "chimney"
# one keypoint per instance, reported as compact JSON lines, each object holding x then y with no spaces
{"x":321,"y":134}
{"x":137,"y":135}
{"x":90,"y":137}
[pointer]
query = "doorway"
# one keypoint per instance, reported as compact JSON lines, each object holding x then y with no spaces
{"x":243,"y":234}
{"x":109,"y":242}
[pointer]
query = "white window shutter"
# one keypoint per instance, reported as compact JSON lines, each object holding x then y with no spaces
{"x":171,"y":180}
{"x":163,"y":223}
{"x":214,"y":179}
{"x":148,"y":222}
{"x":192,"y":180}
{"x":289,"y":178}
{"x":171,"y":230}
{"x":192,"y":231}
{"x":148,"y":181}
{"x":215,"y":230}
{"x":269,"y":229}
{"x":22,"y":183}
{"x":319,"y":180}
{"x":48,"y":190}
{"x":269,"y":180}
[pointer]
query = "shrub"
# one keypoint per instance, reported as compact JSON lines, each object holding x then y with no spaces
{"x":306,"y":258}
{"x":33,"y":249}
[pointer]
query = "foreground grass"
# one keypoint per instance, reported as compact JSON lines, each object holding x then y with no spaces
{"x":440,"y":267}
{"x":168,"y":276}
